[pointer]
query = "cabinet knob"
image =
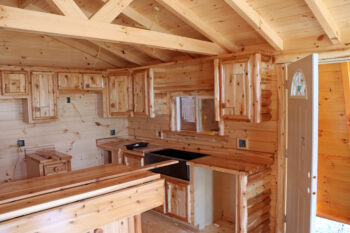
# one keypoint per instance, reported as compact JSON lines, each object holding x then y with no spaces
{"x":98,"y":230}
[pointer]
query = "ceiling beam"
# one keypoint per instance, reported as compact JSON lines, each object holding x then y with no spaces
{"x":38,"y":22}
{"x":326,"y":20}
{"x":110,"y":10}
{"x":155,"y":53}
{"x":71,"y":9}
{"x":188,"y":16}
{"x":257,"y":22}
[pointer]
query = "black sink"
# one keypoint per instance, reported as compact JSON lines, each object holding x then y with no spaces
{"x":179,"y":154}
{"x":179,"y":170}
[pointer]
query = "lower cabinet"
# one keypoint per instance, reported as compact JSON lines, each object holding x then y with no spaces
{"x":126,"y":225}
{"x":133,"y":160}
{"x":177,"y":199}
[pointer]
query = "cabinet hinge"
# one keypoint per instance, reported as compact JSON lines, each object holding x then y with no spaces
{"x":286,"y":84}
{"x":285,"y":218}
{"x":286,"y":154}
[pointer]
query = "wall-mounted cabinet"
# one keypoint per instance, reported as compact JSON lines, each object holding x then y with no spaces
{"x":131,"y":94}
{"x":42,"y":105}
{"x":119,"y":94}
{"x":70,"y":81}
{"x":93,"y":81}
{"x":237,"y":89}
{"x":143,"y":104}
{"x":14,"y":83}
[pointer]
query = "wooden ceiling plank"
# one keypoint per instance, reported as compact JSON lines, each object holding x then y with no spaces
{"x":38,"y":22}
{"x":25,"y":3}
{"x":93,"y":52}
{"x":257,"y":22}
{"x":110,"y":10}
{"x":326,"y":20}
{"x":155,"y":53}
{"x":188,"y":16}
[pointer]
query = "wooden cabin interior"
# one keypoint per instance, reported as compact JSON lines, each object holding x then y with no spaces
{"x":174,"y":116}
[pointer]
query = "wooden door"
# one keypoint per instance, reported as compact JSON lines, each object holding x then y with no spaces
{"x":143,"y":97}
{"x":236,"y":90}
{"x":177,"y":194}
{"x":302,"y":144}
{"x":120,"y":94}
{"x":15,"y":83}
{"x":93,"y":81}
{"x":70,"y":81}
{"x":44,"y":95}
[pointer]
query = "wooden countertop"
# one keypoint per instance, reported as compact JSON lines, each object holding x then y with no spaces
{"x":40,"y":193}
{"x":238,"y":163}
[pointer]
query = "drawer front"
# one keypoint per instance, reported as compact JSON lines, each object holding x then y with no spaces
{"x":55,"y":168}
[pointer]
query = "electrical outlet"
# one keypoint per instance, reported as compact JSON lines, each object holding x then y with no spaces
{"x":112,"y":132}
{"x":20,"y":143}
{"x":242,"y":143}
{"x":68,"y":100}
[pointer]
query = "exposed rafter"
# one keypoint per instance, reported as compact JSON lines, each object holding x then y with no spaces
{"x":110,"y":10}
{"x":71,"y":9}
{"x":187,"y":15}
{"x":326,"y":20}
{"x":155,"y":53}
{"x":37,"y":22}
{"x":257,"y":22}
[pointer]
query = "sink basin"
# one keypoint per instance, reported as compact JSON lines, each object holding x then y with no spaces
{"x":179,"y":154}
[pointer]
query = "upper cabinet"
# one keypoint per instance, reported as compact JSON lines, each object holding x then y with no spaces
{"x":143,"y":93}
{"x":14,"y":83}
{"x":93,"y":81}
{"x":43,"y":102}
{"x":70,"y":81}
{"x":119,"y":94}
{"x":131,"y":94}
{"x":237,"y":89}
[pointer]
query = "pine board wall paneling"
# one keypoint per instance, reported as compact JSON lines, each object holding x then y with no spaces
{"x":74,"y":133}
{"x":261,"y":137}
{"x":333,"y":199}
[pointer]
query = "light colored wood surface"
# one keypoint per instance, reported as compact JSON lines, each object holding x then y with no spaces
{"x":238,"y":163}
{"x":156,"y":223}
{"x":135,"y":200}
{"x":126,"y":225}
{"x":334,"y":152}
{"x":15,"y":83}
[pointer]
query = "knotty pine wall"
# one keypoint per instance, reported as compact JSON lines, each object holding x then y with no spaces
{"x":333,"y":199}
{"x":199,"y":77}
{"x":74,"y":133}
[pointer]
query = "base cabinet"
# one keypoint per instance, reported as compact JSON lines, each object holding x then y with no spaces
{"x":126,"y":225}
{"x":133,"y":160}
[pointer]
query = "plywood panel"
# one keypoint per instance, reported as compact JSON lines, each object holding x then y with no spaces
{"x":334,"y":151}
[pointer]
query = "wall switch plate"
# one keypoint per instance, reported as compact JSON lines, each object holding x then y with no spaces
{"x":68,"y":100}
{"x":20,"y":143}
{"x":112,"y":132}
{"x":242,"y":143}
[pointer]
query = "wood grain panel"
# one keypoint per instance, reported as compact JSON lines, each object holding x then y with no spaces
{"x":334,"y":152}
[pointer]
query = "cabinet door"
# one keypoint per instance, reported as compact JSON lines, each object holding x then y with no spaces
{"x":236,"y":87}
{"x":178,"y":197}
{"x":119,"y":94}
{"x":44,"y":95}
{"x":14,"y":83}
{"x":143,"y":97}
{"x":93,"y":81}
{"x":70,"y":81}
{"x":133,"y":160}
